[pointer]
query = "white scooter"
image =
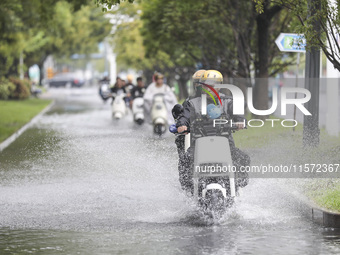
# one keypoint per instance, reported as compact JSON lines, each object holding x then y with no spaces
{"x":138,"y":110}
{"x":119,"y":109}
{"x":210,"y":168}
{"x":159,"y":114}
{"x":104,"y":91}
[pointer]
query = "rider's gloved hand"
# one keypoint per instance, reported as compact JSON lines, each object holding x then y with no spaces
{"x":240,"y":126}
{"x":182,"y":129}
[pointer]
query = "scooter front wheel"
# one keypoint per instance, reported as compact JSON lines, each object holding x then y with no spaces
{"x":159,"y":129}
{"x":139,"y":121}
{"x":214,"y":204}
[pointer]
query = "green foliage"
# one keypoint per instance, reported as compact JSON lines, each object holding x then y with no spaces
{"x":128,"y":42}
{"x":207,"y":33}
{"x":177,"y":36}
{"x":319,"y":22}
{"x":258,"y":6}
{"x":6,"y":88}
{"x":127,"y":39}
{"x":108,"y":4}
{"x":22,"y":89}
{"x":38,"y":28}
{"x":77,"y":32}
{"x":189,"y":31}
{"x":128,"y":45}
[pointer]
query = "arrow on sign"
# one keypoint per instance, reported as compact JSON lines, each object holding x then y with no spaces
{"x":291,"y":42}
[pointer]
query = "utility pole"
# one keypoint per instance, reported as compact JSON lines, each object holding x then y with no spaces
{"x":311,"y":131}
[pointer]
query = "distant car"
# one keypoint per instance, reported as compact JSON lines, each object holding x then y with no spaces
{"x":66,"y":80}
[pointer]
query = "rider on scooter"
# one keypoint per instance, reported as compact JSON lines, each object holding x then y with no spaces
{"x":180,"y":139}
{"x":137,"y":91}
{"x":118,"y":89}
{"x":158,"y":87}
{"x":191,"y":107}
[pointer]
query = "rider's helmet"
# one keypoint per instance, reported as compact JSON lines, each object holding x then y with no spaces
{"x":197,"y":75}
{"x":129,"y":78}
{"x":158,"y":76}
{"x":211,"y":77}
{"x":195,"y":82}
{"x":201,"y":77}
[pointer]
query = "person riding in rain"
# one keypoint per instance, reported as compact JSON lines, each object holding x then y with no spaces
{"x":192,"y":107}
{"x":117,"y":89}
{"x":158,"y":87}
{"x":137,"y":91}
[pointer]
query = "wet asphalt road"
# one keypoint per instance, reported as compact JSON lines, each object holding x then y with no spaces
{"x":78,"y":182}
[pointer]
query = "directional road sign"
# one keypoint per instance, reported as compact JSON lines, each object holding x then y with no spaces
{"x":291,"y":42}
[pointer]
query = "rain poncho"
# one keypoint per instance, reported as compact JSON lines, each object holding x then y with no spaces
{"x":169,"y":99}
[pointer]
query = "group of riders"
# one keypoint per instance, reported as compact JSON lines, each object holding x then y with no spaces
{"x":203,"y":82}
{"x":132,"y":91}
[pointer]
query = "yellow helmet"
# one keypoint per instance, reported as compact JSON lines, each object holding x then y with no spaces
{"x":159,"y":76}
{"x":211,"y":77}
{"x":129,"y":77}
{"x":197,"y":75}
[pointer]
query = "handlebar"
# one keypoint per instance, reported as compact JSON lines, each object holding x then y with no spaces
{"x":115,"y":94}
{"x":173,"y":129}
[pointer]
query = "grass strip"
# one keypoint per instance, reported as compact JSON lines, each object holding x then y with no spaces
{"x":14,"y":114}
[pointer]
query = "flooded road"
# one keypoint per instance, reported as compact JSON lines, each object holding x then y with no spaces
{"x":80,"y":183}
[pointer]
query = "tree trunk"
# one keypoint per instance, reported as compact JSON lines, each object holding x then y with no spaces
{"x":13,"y":70}
{"x":41,"y":76}
{"x":182,"y":86}
{"x":147,"y":77}
{"x":260,"y":93}
{"x":41,"y":67}
{"x":263,"y":21}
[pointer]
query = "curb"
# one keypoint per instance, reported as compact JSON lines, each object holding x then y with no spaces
{"x":317,"y":214}
{"x":322,"y":216}
{"x":325,"y":218}
{"x":13,"y":137}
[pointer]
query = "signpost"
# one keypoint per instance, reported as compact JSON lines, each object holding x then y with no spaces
{"x":291,"y":42}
